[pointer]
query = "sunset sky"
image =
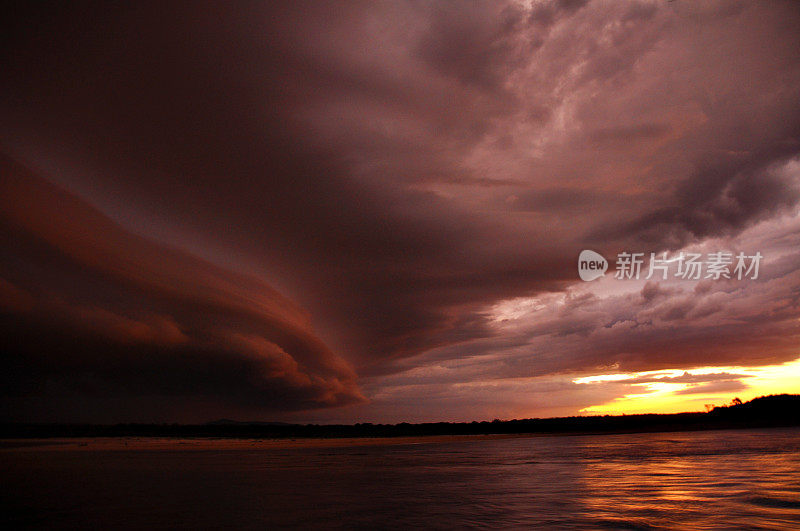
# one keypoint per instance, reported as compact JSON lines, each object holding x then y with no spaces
{"x":373,"y":211}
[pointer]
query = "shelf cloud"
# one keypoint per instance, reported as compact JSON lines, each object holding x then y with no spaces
{"x":264,"y":209}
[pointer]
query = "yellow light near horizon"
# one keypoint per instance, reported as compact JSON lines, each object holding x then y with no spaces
{"x":664,"y":397}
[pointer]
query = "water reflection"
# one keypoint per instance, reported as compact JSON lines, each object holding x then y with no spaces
{"x":706,"y":480}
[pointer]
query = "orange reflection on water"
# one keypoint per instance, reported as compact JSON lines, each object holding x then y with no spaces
{"x":697,"y":490}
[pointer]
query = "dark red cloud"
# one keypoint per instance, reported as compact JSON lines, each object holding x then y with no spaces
{"x":397,"y":169}
{"x":91,"y":311}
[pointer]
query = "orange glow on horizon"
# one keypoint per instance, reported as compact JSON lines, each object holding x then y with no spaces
{"x":667,"y":396}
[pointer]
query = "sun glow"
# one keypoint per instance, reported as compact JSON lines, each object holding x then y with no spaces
{"x":677,"y":390}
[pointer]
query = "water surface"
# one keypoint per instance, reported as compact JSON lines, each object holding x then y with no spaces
{"x":742,"y":479}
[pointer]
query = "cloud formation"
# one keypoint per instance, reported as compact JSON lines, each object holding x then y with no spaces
{"x":400,"y":171}
{"x":92,"y":312}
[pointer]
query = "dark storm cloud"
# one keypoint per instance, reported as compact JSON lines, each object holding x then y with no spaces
{"x":398,"y":168}
{"x":216,"y":116}
{"x":716,"y":200}
{"x":92,"y":310}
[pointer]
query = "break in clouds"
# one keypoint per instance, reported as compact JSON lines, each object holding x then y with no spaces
{"x":253,"y":210}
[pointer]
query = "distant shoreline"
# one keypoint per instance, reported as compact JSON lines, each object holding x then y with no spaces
{"x":764,"y":412}
{"x":110,"y":444}
{"x":217,"y":443}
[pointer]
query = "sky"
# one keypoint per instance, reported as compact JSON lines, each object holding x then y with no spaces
{"x":373,"y":211}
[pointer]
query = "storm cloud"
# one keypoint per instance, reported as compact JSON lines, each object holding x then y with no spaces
{"x":287,"y":206}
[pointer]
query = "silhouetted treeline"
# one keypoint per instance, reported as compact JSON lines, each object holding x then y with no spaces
{"x":767,"y":411}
